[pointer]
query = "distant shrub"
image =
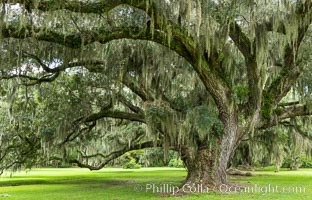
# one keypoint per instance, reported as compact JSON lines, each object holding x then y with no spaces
{"x":154,"y":157}
{"x":131,"y":164}
{"x":306,"y":163}
{"x":301,"y":162}
{"x":176,"y":163}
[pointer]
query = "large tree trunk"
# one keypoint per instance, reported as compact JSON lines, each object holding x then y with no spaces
{"x":227,"y":146}
{"x":202,"y":167}
{"x":208,"y":165}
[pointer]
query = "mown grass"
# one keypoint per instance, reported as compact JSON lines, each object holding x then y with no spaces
{"x":121,"y":184}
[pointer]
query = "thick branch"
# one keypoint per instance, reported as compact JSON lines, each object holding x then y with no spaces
{"x":244,"y":44}
{"x":286,"y":112}
{"x":53,"y":73}
{"x":113,"y":155}
{"x":33,"y":80}
{"x":115,"y":114}
{"x":294,"y":111}
{"x":291,"y":70}
{"x":77,"y":6}
{"x":129,"y":104}
{"x":180,"y":42}
{"x":89,"y":64}
{"x":144,"y":95}
{"x":240,"y":39}
{"x":76,"y":133}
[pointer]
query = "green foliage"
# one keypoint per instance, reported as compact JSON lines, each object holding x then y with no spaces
{"x":176,"y":162}
{"x":131,"y":164}
{"x":241,"y":94}
{"x":205,"y":122}
{"x":267,"y":106}
{"x":282,"y":146}
{"x":153,"y":157}
{"x":306,"y":163}
{"x":292,"y":163}
{"x":297,"y":162}
{"x":130,"y":159}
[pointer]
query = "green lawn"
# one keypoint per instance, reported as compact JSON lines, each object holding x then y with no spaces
{"x":121,"y":184}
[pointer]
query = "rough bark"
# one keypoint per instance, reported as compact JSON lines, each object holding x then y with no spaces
{"x":208,"y":166}
{"x":200,"y":169}
{"x":227,"y":145}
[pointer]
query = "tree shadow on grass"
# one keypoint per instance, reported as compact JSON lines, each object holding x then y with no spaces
{"x":69,"y":181}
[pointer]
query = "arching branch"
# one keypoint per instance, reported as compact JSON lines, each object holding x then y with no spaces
{"x":129,"y":104}
{"x":96,"y":7}
{"x":89,"y":64}
{"x":115,"y":114}
{"x":179,"y":41}
{"x":53,"y":73}
{"x":294,"y":111}
{"x":240,"y":39}
{"x":136,"y":89}
{"x":113,"y":155}
{"x":291,"y":68}
{"x":92,"y":118}
{"x":32,"y":80}
{"x":289,"y":111}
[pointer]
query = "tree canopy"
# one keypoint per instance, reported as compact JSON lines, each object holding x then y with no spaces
{"x":86,"y":81}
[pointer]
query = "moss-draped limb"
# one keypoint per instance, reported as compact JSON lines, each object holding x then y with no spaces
{"x":111,"y":156}
{"x":156,"y":30}
{"x":291,"y":67}
{"x":276,"y":116}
